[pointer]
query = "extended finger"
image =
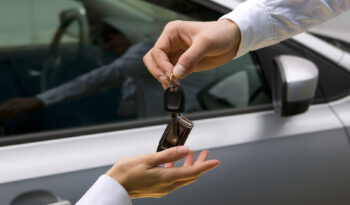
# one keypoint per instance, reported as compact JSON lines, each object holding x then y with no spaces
{"x":189,"y":172}
{"x":189,"y":159}
{"x":169,"y":155}
{"x":203,"y":155}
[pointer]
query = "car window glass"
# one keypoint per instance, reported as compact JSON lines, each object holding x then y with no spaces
{"x":31,"y":22}
{"x":67,"y":64}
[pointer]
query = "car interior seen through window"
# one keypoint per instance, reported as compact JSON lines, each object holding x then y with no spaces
{"x":68,"y":64}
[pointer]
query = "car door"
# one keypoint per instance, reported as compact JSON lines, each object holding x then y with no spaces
{"x":265,"y":158}
{"x":280,"y":160}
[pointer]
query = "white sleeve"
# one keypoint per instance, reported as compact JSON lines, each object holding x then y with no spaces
{"x":267,"y":22}
{"x":105,"y":191}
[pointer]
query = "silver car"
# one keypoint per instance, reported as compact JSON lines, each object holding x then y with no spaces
{"x":277,"y":118}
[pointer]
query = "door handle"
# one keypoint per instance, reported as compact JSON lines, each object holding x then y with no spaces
{"x":61,"y":203}
{"x":39,"y":197}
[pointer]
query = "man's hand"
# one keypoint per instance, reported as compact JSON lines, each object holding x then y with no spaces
{"x":192,"y":47}
{"x":142,"y":176}
{"x":16,"y":106}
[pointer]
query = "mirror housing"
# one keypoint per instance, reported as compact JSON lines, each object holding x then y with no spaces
{"x":294,"y":83}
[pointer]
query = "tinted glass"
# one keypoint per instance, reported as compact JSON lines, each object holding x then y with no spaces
{"x":67,"y":64}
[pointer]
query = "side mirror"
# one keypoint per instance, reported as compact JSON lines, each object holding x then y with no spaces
{"x":294,"y":84}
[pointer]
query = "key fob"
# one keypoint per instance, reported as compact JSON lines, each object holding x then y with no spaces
{"x":174,"y":99}
{"x":169,"y":139}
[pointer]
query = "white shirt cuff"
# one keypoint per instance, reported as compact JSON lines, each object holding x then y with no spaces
{"x":105,"y":191}
{"x":253,"y":20}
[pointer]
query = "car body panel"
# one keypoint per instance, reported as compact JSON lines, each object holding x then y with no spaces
{"x":78,"y":156}
{"x":341,"y":108}
{"x":303,"y":169}
{"x":83,"y":152}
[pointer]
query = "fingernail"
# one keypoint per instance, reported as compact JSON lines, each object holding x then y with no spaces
{"x":183,"y":150}
{"x":179,"y":71}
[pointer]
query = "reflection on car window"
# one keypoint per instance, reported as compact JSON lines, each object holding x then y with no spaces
{"x":76,"y":65}
{"x":236,"y":84}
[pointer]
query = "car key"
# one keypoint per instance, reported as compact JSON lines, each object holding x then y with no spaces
{"x":169,"y":139}
{"x":179,"y":127}
{"x":174,"y":102}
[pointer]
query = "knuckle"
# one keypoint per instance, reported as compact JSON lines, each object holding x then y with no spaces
{"x":154,"y":55}
{"x":146,"y":58}
{"x":173,"y":25}
{"x":152,"y":157}
{"x":147,"y":159}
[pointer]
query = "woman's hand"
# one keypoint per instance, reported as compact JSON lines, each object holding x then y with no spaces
{"x":142,"y":176}
{"x":185,"y":47}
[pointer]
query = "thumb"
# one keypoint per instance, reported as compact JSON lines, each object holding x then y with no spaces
{"x":170,"y":155}
{"x":189,"y":59}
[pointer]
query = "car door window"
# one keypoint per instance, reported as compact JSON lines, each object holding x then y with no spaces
{"x":82,"y":66}
{"x":236,"y":84}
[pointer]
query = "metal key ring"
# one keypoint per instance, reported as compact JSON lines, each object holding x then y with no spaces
{"x":172,"y":80}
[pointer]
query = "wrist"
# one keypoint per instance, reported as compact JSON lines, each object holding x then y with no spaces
{"x":234,"y":33}
{"x":119,"y":176}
